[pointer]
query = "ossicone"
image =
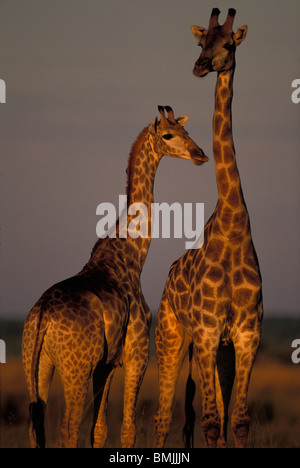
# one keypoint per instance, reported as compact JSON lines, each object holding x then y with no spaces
{"x":214,"y":18}
{"x":229,"y":20}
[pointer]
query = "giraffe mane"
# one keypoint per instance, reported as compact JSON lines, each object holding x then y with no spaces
{"x":135,"y":149}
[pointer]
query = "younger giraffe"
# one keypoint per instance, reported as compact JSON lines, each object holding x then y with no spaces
{"x":98,"y":319}
{"x":213,"y":296}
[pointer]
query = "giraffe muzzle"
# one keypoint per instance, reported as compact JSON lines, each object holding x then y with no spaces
{"x":199,"y":157}
{"x":202,"y":68}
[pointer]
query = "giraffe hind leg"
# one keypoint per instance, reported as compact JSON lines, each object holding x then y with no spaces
{"x":37,"y":428}
{"x":134,"y":375}
{"x":171,"y":346}
{"x":190,"y":415}
{"x":225,"y":375}
{"x":75,"y":398}
{"x":37,"y":408}
{"x":102,"y":378}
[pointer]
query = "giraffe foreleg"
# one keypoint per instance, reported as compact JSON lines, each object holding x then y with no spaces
{"x":205,"y":351}
{"x":240,"y":421}
{"x":246,"y":345}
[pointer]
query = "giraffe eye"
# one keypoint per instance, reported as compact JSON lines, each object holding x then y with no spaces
{"x":228,"y":46}
{"x":168,"y":136}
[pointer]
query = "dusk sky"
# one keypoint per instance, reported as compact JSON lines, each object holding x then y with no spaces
{"x":83,"y":78}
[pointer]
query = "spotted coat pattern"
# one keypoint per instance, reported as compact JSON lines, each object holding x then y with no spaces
{"x":213,"y":296}
{"x":97,"y":320}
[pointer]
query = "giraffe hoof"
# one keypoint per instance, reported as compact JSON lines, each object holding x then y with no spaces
{"x":211,"y":431}
{"x":241,"y":435}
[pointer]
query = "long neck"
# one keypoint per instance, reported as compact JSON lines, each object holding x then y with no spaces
{"x":132,"y":237}
{"x":231,"y":211}
{"x":141,"y":172}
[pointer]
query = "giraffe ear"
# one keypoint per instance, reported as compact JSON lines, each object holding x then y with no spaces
{"x":182,"y":120}
{"x":153,"y":126}
{"x":240,"y":35}
{"x":199,"y":33}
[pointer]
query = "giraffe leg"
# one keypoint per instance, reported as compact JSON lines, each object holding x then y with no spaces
{"x":101,"y":383}
{"x":169,"y":367}
{"x":37,"y":408}
{"x":205,"y":351}
{"x":171,"y":347}
{"x":225,"y":374}
{"x":134,"y":373}
{"x":246,"y":345}
{"x":75,"y":398}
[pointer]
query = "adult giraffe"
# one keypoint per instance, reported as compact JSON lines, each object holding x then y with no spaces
{"x":213,"y":296}
{"x":98,"y":319}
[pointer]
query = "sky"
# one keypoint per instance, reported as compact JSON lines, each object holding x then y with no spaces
{"x":83,"y":78}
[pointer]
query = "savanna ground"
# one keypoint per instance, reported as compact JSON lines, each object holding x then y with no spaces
{"x":274,"y":397}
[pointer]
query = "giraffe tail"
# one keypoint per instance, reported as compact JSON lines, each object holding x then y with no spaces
{"x":190,"y":415}
{"x":37,"y":320}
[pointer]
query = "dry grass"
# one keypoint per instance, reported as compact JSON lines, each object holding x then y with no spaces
{"x":274,"y":401}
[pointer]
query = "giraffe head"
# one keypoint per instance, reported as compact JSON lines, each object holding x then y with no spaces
{"x":171,"y":139}
{"x":218,"y":44}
